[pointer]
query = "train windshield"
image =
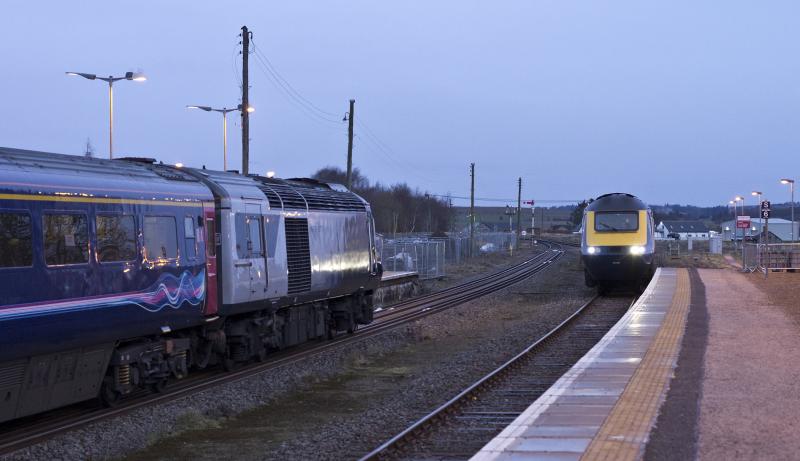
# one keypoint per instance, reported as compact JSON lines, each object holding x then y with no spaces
{"x":616,"y":221}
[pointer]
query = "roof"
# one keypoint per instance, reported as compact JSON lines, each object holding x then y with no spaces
{"x":616,"y":202}
{"x":685,"y":226}
{"x":35,"y":173}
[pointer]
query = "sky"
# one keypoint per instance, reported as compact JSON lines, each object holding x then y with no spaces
{"x":680,"y":102}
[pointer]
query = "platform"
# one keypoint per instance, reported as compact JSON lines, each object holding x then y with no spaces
{"x":605,"y":406}
{"x":390,"y":277}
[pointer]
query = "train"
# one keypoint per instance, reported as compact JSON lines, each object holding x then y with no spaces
{"x":121,"y":275}
{"x":617,"y":242}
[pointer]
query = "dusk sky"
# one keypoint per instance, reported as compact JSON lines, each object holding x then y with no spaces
{"x":681,"y":102}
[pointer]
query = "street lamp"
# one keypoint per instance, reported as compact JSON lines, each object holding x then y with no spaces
{"x":224,"y":111}
{"x":134,"y":76}
{"x":790,"y":182}
{"x":758,"y":194}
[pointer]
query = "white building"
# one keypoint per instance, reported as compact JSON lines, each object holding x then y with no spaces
{"x":778,"y":228}
{"x":682,"y":230}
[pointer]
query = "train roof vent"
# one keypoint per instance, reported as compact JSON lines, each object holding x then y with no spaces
{"x":331,"y":200}
{"x":289,"y":197}
{"x":272,"y":196}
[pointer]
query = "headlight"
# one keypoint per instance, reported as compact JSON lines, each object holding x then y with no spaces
{"x":592,"y":250}
{"x":637,"y":250}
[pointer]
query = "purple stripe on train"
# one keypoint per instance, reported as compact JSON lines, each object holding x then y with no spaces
{"x":168,"y":291}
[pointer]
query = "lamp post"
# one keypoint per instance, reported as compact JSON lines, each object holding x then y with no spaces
{"x":790,"y":182}
{"x":733,"y":231}
{"x":758,"y":195}
{"x":739,"y":198}
{"x":134,"y":76}
{"x":224,"y":111}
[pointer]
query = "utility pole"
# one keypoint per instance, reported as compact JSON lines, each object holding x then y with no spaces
{"x":471,"y":208}
{"x":245,"y":101}
{"x":519,"y":208}
{"x":350,"y":116}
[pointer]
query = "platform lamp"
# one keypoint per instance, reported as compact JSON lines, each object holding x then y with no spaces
{"x":224,"y":111}
{"x":790,"y":182}
{"x":739,"y":198}
{"x":133,"y":76}
{"x":758,"y":195}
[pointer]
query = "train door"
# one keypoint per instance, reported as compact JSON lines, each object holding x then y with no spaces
{"x":257,"y":250}
{"x":373,"y":256}
{"x":211,"y":262}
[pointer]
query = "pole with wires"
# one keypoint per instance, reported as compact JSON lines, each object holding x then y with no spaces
{"x":246,"y":35}
{"x":471,"y":208}
{"x":519,"y":208}
{"x":350,"y":116}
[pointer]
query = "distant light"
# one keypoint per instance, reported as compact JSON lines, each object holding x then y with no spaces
{"x":179,"y":165}
{"x":137,"y":77}
{"x":251,"y":109}
{"x":755,"y":193}
{"x":738,"y":198}
{"x":270,"y":174}
{"x":787,"y":181}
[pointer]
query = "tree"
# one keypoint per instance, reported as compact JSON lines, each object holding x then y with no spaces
{"x":577,"y":213}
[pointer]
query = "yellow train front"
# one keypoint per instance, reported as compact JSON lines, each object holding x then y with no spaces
{"x":617,"y":244}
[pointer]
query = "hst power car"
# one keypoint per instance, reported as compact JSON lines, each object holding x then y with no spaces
{"x":617,"y":246}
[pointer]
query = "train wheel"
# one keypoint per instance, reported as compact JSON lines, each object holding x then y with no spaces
{"x":109,"y":398}
{"x":159,"y":386}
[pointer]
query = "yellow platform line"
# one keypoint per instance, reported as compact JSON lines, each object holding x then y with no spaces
{"x":624,"y":433}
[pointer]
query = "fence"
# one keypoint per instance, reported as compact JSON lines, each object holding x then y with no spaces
{"x":759,"y":256}
{"x":426,"y":257}
{"x":430,"y":256}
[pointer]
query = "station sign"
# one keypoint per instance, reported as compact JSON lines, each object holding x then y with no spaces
{"x":765,"y":205}
{"x":765,"y":213}
{"x":743,"y":222}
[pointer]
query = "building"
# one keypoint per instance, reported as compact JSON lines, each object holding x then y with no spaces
{"x":495,"y":219}
{"x":780,"y":229}
{"x":682,"y":230}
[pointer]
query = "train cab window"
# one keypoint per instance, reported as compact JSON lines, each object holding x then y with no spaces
{"x":16,"y":247}
{"x":160,"y":235}
{"x":616,"y":221}
{"x":189,"y":237}
{"x":66,"y":239}
{"x":271,"y":225}
{"x":248,"y":236}
{"x":254,"y":234}
{"x":116,"y":238}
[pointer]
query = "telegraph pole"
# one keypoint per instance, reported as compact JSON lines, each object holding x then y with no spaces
{"x":519,"y":208}
{"x":471,"y":208}
{"x":245,"y":102}
{"x":350,"y":116}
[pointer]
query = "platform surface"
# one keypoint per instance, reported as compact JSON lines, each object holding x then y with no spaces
{"x":604,"y":407}
{"x":397,"y":275}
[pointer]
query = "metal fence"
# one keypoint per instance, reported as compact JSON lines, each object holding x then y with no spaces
{"x":759,"y":256}
{"x":426,"y":257}
{"x":429,"y":256}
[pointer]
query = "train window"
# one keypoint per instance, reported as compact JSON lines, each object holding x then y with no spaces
{"x":16,"y":247}
{"x":188,"y":233}
{"x":211,"y":238}
{"x":254,"y":234}
{"x":616,"y":221}
{"x":160,"y":235}
{"x":116,"y":238}
{"x":241,"y":236}
{"x":271,"y":224}
{"x":66,"y":239}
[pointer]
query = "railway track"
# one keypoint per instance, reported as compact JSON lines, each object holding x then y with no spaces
{"x":28,"y":431}
{"x":463,"y":425}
